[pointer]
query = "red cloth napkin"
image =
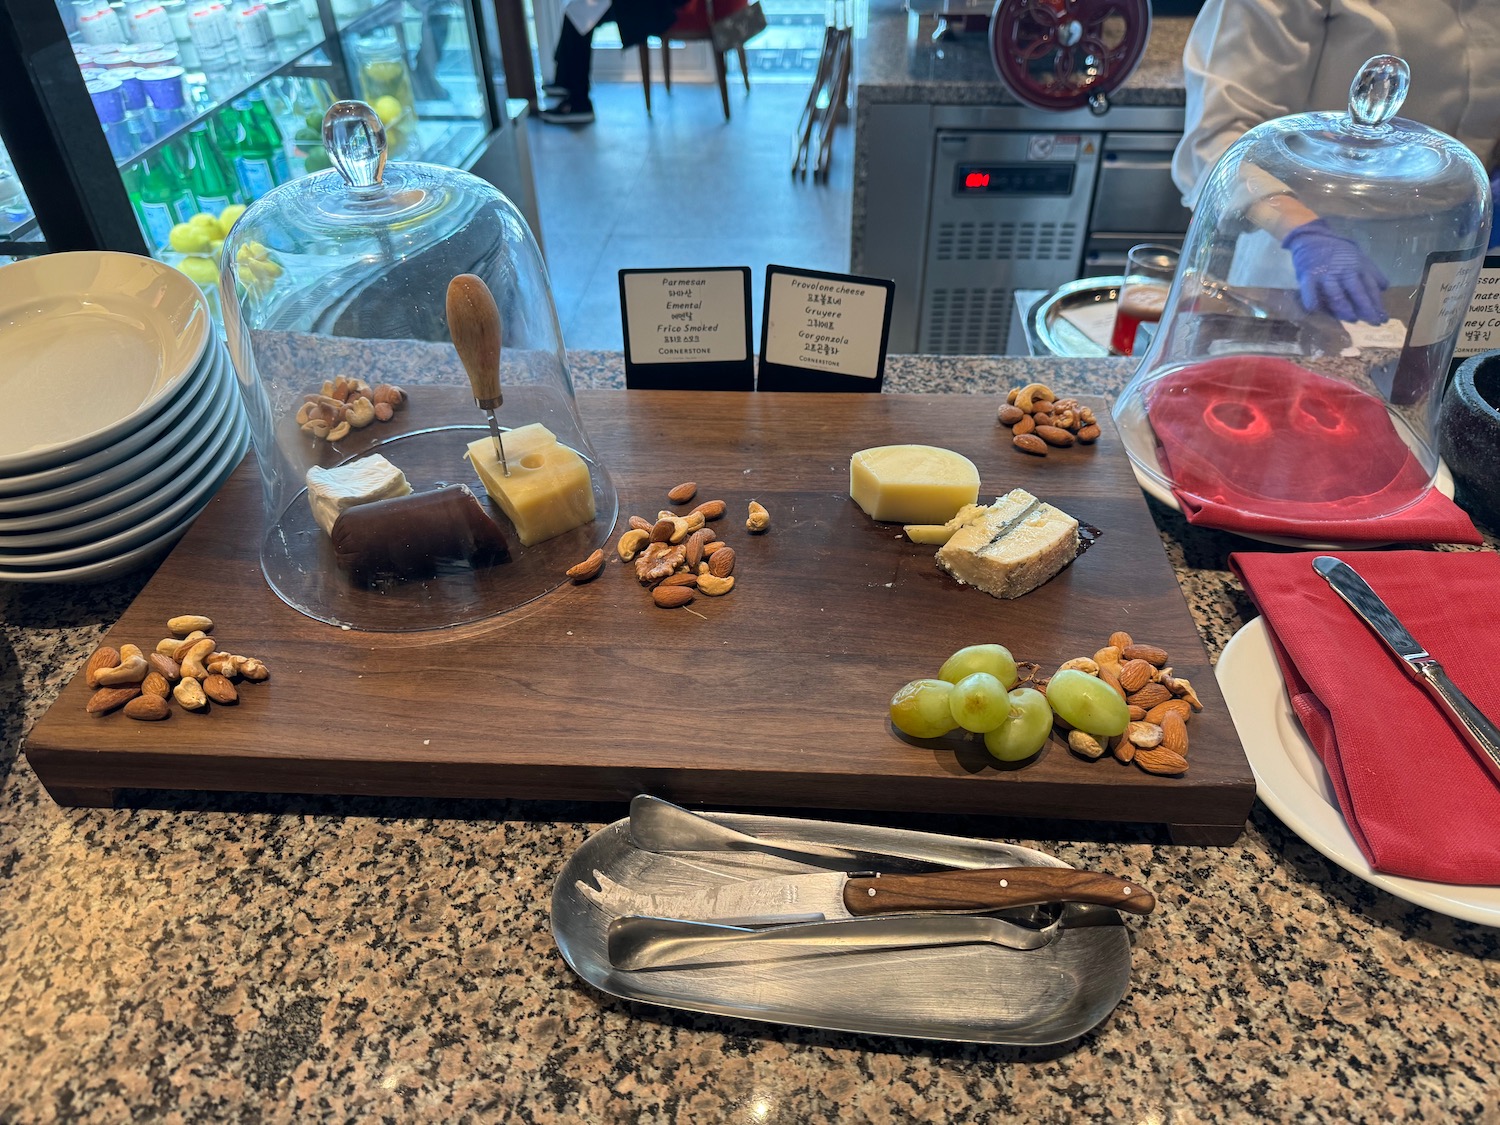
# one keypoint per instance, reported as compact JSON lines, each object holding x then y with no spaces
{"x":1413,"y":793}
{"x":1260,"y":445}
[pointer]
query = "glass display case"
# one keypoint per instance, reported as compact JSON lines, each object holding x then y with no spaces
{"x":17,"y":219}
{"x":204,"y":107}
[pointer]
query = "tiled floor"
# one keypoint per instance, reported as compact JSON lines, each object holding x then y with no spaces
{"x":681,"y":188}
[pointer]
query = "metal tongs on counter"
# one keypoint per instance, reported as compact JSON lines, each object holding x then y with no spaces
{"x":830,"y":911}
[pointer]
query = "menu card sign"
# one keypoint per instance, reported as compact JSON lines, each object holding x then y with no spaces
{"x":1481,"y":330}
{"x":687,"y":329}
{"x":823,"y":331}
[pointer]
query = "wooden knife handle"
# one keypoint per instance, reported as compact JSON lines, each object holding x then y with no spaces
{"x":993,"y":888}
{"x":474,"y":324}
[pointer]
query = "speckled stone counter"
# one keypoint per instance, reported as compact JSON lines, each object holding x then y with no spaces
{"x":211,"y":958}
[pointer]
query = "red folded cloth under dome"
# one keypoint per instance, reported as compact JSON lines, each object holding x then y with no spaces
{"x":1262,"y":446}
{"x":1414,"y":794}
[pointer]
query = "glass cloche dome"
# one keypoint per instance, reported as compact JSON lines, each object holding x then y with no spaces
{"x":1303,"y":347}
{"x":409,"y":483}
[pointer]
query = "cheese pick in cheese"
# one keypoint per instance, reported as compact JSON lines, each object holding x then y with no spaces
{"x":549,"y":490}
{"x":331,"y":492}
{"x":916,"y":484}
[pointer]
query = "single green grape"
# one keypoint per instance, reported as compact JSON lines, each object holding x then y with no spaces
{"x":1087,"y":702}
{"x":994,"y":659}
{"x":921,"y":710}
{"x":1025,"y":729}
{"x":979,"y":703}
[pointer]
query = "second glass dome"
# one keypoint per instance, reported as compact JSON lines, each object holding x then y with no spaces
{"x":1297,"y":372}
{"x":388,"y":506}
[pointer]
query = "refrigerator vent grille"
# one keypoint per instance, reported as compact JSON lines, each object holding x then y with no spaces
{"x":1006,"y":242}
{"x":966,"y":321}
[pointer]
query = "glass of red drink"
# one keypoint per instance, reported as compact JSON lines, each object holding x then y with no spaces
{"x":1148,"y":279}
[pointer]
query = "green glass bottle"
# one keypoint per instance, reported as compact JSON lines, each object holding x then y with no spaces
{"x":261,"y":161}
{"x":160,"y":199}
{"x":213,"y":183}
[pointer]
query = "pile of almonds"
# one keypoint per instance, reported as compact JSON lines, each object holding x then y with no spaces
{"x":1038,"y":418}
{"x":187,"y":667}
{"x":678,"y":556}
{"x":346,"y":404}
{"x":1160,"y":706}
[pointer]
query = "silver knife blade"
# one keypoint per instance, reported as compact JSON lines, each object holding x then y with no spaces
{"x":635,"y":943}
{"x":835,"y":895}
{"x":1478,"y":731}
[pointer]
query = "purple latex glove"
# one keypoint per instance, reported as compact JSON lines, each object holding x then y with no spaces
{"x":1335,"y":275}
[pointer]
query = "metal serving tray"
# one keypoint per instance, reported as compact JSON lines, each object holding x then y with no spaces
{"x":963,"y":993}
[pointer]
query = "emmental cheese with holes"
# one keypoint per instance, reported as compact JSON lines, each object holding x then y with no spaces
{"x":916,"y":484}
{"x":1011,"y":547}
{"x":548,"y":491}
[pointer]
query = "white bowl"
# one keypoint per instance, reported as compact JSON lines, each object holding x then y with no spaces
{"x":94,"y":341}
{"x":175,"y":475}
{"x":216,"y":461}
{"x":73,"y":481}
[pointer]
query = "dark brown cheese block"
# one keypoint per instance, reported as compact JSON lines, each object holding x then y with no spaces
{"x":414,"y":536}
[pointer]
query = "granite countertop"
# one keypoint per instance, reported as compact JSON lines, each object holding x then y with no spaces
{"x":898,"y":61}
{"x":202,"y":958}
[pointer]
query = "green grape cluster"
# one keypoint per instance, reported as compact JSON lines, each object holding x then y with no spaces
{"x":976,"y":691}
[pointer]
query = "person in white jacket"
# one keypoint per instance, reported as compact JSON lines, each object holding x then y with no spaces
{"x":1248,"y":61}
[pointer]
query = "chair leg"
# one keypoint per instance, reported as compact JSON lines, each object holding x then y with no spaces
{"x":744,"y":66}
{"x":723,"y":75}
{"x":644,"y":53}
{"x":666,"y":64}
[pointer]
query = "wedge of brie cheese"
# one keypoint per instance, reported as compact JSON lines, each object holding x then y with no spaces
{"x":332,"y":491}
{"x":1011,"y":547}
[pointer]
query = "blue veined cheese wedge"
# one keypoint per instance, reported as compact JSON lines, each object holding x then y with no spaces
{"x":331,"y":492}
{"x":916,"y":484}
{"x":549,"y":490}
{"x":1011,"y":547}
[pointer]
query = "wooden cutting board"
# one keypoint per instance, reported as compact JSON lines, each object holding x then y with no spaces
{"x":775,"y":696}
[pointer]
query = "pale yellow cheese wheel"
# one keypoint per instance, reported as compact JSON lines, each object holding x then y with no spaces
{"x":912,"y":483}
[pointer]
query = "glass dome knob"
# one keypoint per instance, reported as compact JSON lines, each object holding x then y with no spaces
{"x":354,"y":136}
{"x":1378,"y":90}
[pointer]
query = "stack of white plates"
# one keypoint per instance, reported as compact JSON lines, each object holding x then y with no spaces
{"x":119,"y":414}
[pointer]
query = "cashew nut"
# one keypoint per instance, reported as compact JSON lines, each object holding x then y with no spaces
{"x":713,"y":586}
{"x":184,"y":645}
{"x":304,"y":413}
{"x":361,"y":413}
{"x":192,"y":662}
{"x":317,"y":428}
{"x":631,"y":543}
{"x":339,"y":432}
{"x":132,"y":669}
{"x":190,"y":622}
{"x":190,"y":695}
{"x":759,"y":520}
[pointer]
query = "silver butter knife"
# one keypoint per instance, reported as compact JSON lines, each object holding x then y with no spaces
{"x":636,"y":942}
{"x":1478,"y":730}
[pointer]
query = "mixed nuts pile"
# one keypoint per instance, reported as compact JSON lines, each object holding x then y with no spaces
{"x":677,"y":557}
{"x":187,"y":667}
{"x":1038,"y":419}
{"x":1160,"y":706}
{"x":346,"y":404}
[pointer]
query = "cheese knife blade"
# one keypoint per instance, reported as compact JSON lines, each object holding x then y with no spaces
{"x":1477,"y":730}
{"x":835,"y":895}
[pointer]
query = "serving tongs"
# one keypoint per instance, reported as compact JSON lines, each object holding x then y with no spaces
{"x":660,"y":826}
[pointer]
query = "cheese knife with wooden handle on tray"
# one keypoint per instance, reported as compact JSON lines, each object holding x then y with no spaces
{"x":474,"y":324}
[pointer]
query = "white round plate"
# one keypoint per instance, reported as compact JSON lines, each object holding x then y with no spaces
{"x":1290,"y":779}
{"x":73,"y":481}
{"x":93,"y":341}
{"x":145,"y":552}
{"x":134,"y":477}
{"x":1443,"y":482}
{"x":147,"y":529}
{"x":132,"y":505}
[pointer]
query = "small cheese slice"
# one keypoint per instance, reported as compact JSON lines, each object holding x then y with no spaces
{"x":936,"y":534}
{"x":548,"y":491}
{"x":1012,"y":547}
{"x":333,"y":491}
{"x":916,"y":484}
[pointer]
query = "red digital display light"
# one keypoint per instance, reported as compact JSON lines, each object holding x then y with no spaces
{"x":977,"y":180}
